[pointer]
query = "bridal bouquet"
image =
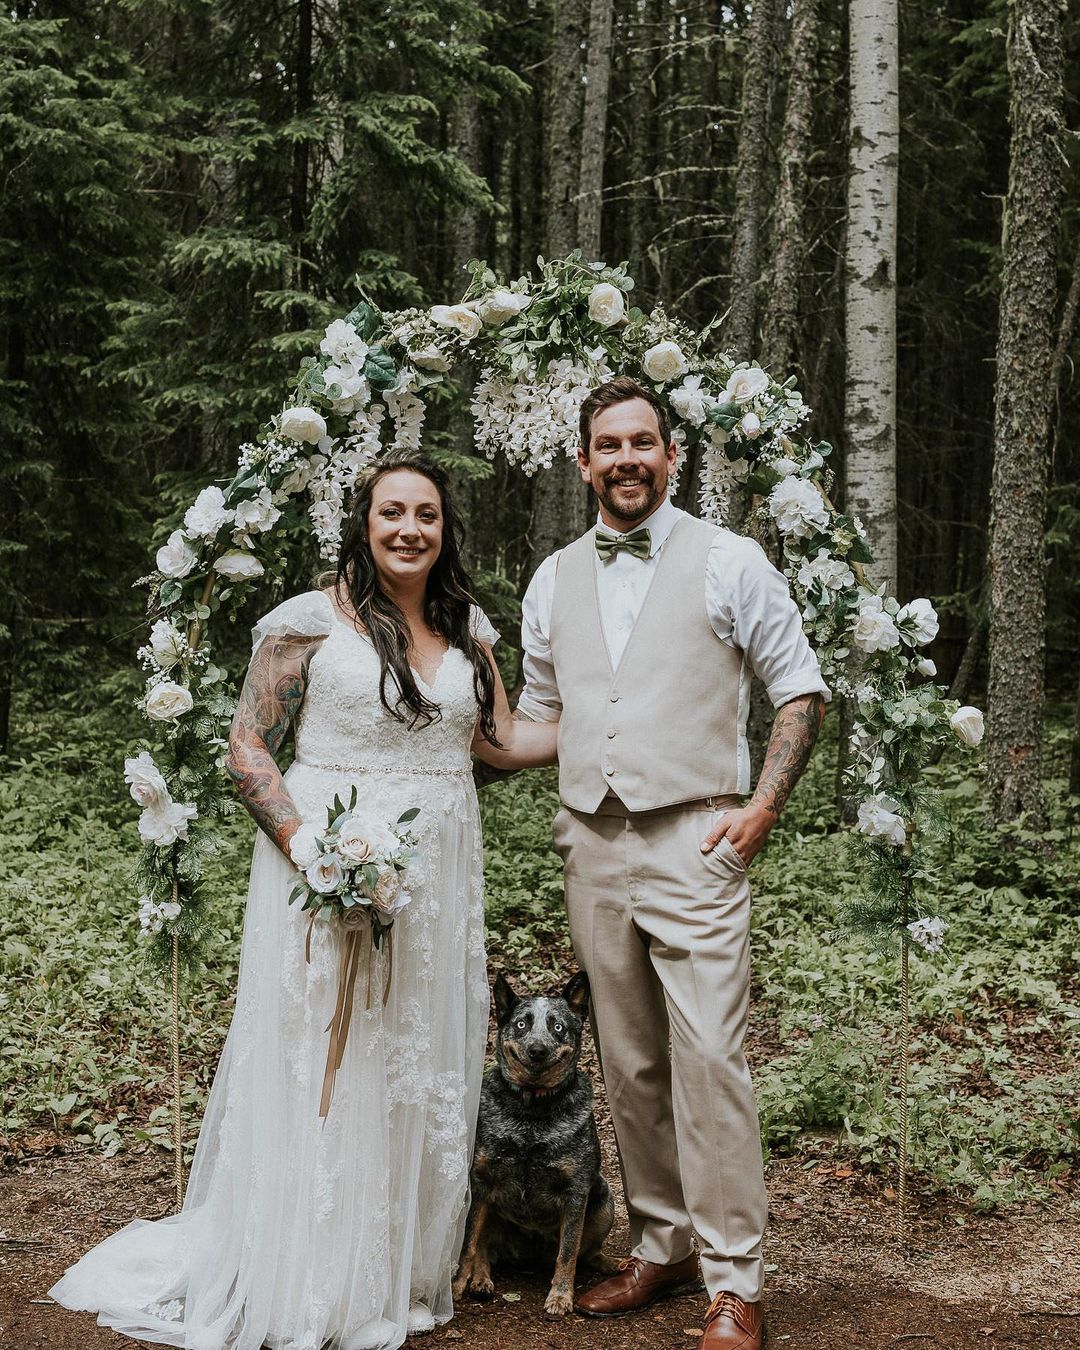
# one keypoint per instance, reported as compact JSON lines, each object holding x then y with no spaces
{"x":352,"y":874}
{"x":353,"y":871}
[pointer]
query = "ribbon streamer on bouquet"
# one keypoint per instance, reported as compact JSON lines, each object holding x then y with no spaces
{"x":356,"y":947}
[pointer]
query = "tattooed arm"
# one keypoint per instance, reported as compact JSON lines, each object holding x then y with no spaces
{"x":794,"y":731}
{"x":273,"y":691}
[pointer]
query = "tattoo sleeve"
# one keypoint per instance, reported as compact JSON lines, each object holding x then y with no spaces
{"x":794,"y":731}
{"x":272,"y":693}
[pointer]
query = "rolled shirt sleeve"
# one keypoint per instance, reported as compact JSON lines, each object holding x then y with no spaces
{"x":539,"y":701}
{"x":750,"y":606}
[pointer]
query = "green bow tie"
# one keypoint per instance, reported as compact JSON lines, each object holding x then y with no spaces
{"x":639,"y":543}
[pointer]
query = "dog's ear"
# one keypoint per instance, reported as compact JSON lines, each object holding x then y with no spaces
{"x":505,"y":999}
{"x":576,"y":993}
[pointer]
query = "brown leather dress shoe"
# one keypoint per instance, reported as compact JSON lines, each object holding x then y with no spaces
{"x":638,"y":1284}
{"x":731,"y":1324}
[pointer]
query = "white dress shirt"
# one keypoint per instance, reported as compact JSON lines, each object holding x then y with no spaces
{"x":748,"y":603}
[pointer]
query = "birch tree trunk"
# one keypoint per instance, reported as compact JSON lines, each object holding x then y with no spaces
{"x":870,"y":267}
{"x":1022,"y":402}
{"x":559,"y":496}
{"x":759,"y":79}
{"x":780,"y":324}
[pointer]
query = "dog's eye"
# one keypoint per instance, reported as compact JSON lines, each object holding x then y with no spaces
{"x":558,"y":1028}
{"x":520,"y":1024}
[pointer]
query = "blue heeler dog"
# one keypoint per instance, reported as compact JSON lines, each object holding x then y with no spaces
{"x":537,"y":1191}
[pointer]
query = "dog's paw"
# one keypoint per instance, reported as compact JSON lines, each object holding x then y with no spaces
{"x":478,"y":1283}
{"x":483,"y":1286}
{"x":559,"y":1302}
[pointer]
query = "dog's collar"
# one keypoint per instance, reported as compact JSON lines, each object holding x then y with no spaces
{"x":530,"y":1094}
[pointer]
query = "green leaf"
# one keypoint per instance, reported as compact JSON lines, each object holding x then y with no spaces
{"x":408,"y":815}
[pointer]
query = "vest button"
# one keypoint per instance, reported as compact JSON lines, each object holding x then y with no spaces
{"x":614,"y":698}
{"x":611,"y":734}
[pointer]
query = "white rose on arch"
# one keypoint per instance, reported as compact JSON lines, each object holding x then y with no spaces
{"x":607,"y":305}
{"x":167,"y":701}
{"x":918,"y":622}
{"x":236,"y":565}
{"x":257,"y":513}
{"x":502,"y":304}
{"x":751,"y":426}
{"x":874,"y":629}
{"x":664,"y":362}
{"x":460,"y":318}
{"x":302,"y":424}
{"x":145,"y":781}
{"x":430,"y":358}
{"x":690,"y":401}
{"x":833,"y":573}
{"x":206,"y":515}
{"x":165,"y":824}
{"x":167,"y":644}
{"x":879,"y":818}
{"x":743,"y":385}
{"x":968,"y":724}
{"x":797,"y":507}
{"x":176,"y":557}
{"x":343,"y":344}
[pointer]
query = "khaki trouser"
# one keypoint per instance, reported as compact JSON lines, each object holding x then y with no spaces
{"x":663,"y":932}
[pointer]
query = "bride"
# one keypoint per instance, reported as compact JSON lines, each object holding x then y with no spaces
{"x":298,"y":1232}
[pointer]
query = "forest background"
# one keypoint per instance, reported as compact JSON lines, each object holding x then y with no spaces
{"x":190,"y":191}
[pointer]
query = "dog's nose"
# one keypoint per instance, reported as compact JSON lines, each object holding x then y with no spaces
{"x":537,"y":1053}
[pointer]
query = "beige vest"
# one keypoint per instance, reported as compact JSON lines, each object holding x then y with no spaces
{"x":664,"y":727}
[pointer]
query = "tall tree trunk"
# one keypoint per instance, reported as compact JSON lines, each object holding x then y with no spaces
{"x":466,"y":235}
{"x":1074,"y":758}
{"x":759,"y":78}
{"x":559,"y":497}
{"x":1066,"y":333}
{"x":298,"y":197}
{"x":870,"y":383}
{"x":1022,"y":400}
{"x":780,"y":324}
{"x":594,"y":127}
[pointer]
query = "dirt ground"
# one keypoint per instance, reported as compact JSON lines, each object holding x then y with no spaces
{"x":836,"y":1277}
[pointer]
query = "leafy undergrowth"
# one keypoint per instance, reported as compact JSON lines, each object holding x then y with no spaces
{"x":84,"y":1025}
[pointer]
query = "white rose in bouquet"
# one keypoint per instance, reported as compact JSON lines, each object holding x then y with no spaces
{"x":344,"y":345}
{"x":207,"y":514}
{"x":391,"y":897}
{"x":167,"y":701}
{"x":325,"y":874}
{"x":874,"y":629}
{"x":303,"y":848}
{"x":967,"y":723}
{"x":145,"y":781}
{"x":690,"y":401}
{"x":784,"y":465}
{"x":607,"y":304}
{"x":175,"y":558}
{"x":797,"y":507}
{"x":167,"y":644}
{"x":236,"y":565}
{"x":353,"y":844}
{"x":664,"y":362}
{"x":921,"y":619}
{"x":751,"y":426}
{"x":165,"y":824}
{"x":379,"y":837}
{"x":460,"y":318}
{"x":257,"y":513}
{"x":302,"y":424}
{"x":878,"y":818}
{"x":502,"y":304}
{"x":430,"y":358}
{"x":926,"y":667}
{"x":743,"y":385}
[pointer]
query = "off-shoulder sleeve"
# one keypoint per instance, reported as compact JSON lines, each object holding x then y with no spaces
{"x":308,"y":615}
{"x":481,"y":627}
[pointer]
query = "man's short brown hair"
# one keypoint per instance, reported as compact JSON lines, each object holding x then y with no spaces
{"x":620,"y":390}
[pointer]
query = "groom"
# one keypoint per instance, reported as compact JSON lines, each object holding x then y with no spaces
{"x":639,"y":638}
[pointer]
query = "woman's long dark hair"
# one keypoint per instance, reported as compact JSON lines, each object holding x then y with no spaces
{"x":447,"y":603}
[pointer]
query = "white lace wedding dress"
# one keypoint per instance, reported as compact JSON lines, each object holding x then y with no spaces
{"x":295,"y":1233}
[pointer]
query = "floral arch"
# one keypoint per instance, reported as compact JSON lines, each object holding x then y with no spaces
{"x":540,"y":345}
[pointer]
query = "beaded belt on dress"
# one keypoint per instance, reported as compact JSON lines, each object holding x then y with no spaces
{"x":432,"y":772}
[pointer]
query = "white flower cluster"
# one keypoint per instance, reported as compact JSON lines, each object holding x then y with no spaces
{"x":929,"y":934}
{"x":347,"y":388}
{"x":153,"y":916}
{"x":408,"y":411}
{"x":533,"y":421}
{"x":163,"y":821}
{"x":333,"y":476}
{"x":879,"y":818}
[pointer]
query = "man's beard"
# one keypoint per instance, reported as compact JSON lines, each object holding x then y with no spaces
{"x":630,"y":508}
